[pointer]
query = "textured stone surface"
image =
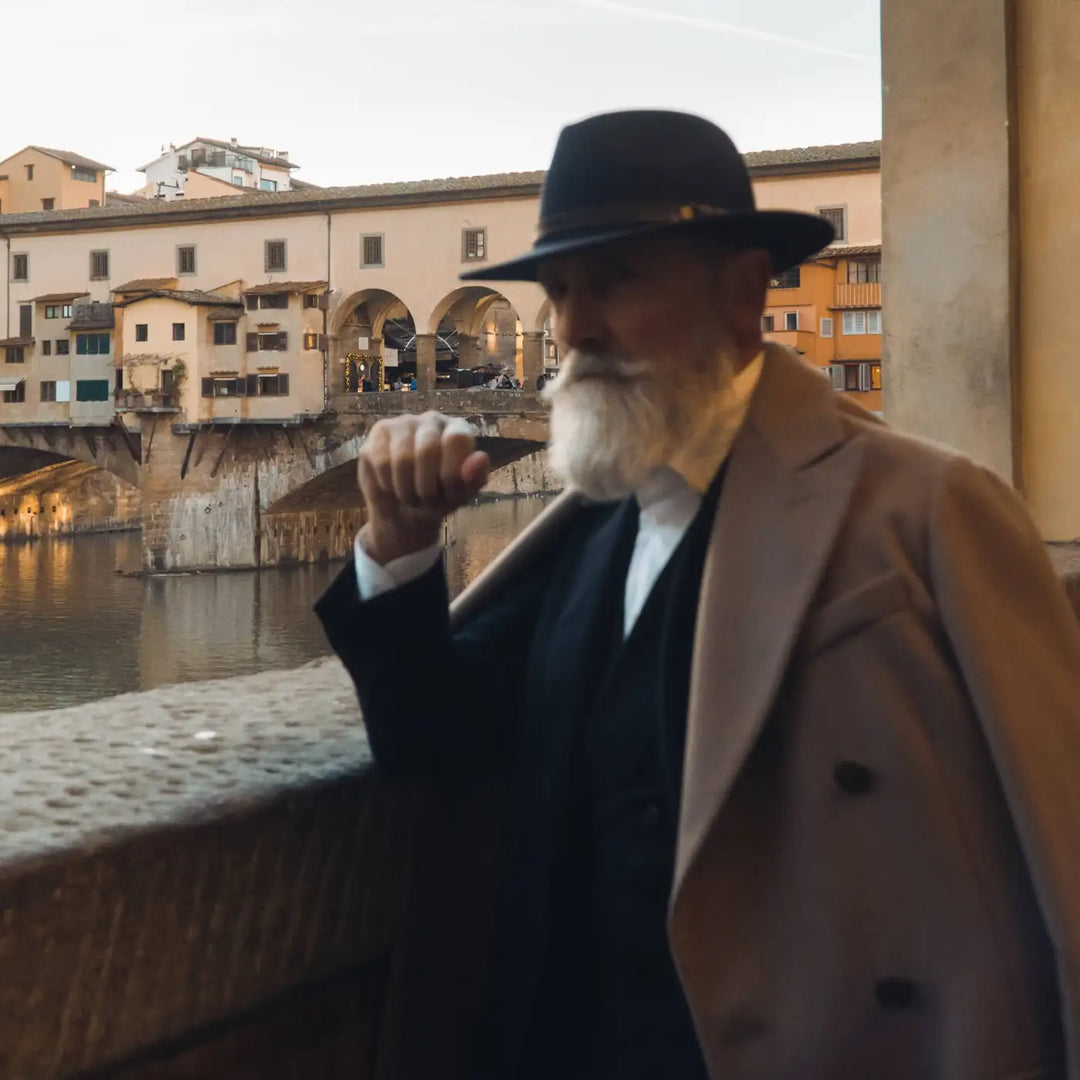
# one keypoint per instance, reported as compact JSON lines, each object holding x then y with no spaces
{"x":174,"y":858}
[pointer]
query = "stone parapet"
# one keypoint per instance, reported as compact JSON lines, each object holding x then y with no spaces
{"x":207,"y":880}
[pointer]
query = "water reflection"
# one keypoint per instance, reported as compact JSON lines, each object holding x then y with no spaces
{"x":72,"y":629}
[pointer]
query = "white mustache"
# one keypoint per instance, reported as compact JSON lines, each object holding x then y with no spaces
{"x":616,"y":367}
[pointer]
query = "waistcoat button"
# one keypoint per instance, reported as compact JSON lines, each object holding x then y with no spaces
{"x":895,"y":993}
{"x":853,"y":778}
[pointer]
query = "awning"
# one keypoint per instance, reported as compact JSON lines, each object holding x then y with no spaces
{"x":10,"y":384}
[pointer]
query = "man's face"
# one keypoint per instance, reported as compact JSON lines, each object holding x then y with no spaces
{"x":650,"y":333}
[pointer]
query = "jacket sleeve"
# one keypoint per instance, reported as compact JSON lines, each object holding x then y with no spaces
{"x":436,"y":703}
{"x":1017,"y":642}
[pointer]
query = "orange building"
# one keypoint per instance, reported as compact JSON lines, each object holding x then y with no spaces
{"x":829,"y":310}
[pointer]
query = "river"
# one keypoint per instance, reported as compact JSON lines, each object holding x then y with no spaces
{"x":74,"y":630}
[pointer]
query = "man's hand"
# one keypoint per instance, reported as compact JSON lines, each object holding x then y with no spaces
{"x":413,"y":471}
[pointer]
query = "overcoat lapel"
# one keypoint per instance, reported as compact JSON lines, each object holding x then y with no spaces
{"x":789,"y":482}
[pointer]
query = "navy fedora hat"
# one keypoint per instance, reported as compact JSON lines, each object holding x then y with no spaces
{"x":625,"y":174}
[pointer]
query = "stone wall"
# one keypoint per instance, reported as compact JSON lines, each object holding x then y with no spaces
{"x":64,"y":499}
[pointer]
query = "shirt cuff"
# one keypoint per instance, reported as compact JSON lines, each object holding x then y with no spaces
{"x":373,"y":579}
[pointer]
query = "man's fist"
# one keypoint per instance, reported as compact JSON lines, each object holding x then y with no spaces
{"x":413,"y":471}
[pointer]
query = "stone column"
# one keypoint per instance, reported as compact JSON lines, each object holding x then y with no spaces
{"x":425,"y":363}
{"x":949,"y":254}
{"x":468,"y":350}
{"x":375,"y":348}
{"x":532,"y":359}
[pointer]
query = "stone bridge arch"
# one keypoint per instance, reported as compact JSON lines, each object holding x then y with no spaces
{"x":111,"y":447}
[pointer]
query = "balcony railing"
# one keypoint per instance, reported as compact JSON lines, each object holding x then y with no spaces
{"x":865,"y":294}
{"x":137,"y":400}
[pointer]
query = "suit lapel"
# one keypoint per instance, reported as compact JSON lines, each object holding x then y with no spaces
{"x":789,"y":482}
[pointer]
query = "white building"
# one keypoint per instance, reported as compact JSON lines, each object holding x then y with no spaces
{"x":204,"y":168}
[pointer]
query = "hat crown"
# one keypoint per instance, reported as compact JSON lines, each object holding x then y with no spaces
{"x":646,"y":158}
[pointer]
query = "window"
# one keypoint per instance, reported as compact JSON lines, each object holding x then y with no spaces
{"x":87,"y":175}
{"x":851,"y":376}
{"x":26,"y":320}
{"x":791,"y":320}
{"x":267,"y":342}
{"x":65,"y":311}
{"x":29,"y":172}
{"x":274,"y":256}
{"x":826,"y":328}
{"x":48,"y":204}
{"x":854,"y":322}
{"x":92,"y":390}
{"x":873,"y":322}
{"x":142,"y":331}
{"x":836,"y":216}
{"x":277,"y":301}
{"x":863,"y":270}
{"x":312,"y":300}
{"x":268,"y":185}
{"x":99,"y":265}
{"x":48,"y":391}
{"x":178,"y":331}
{"x":371,"y":250}
{"x":224,"y":333}
{"x":273,"y":385}
{"x":46,"y":347}
{"x":16,"y":395}
{"x":789,"y":279}
{"x":238,"y":179}
{"x":768,"y":323}
{"x":52,"y":311}
{"x":91,"y":345}
{"x":185,"y":259}
{"x":15,"y":354}
{"x":875,"y":376}
{"x":20,"y":267}
{"x":473,"y":245}
{"x":212,"y":388}
{"x":63,"y":346}
{"x":314,"y":341}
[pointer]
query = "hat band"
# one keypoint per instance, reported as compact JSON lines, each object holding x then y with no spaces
{"x":635,"y":213}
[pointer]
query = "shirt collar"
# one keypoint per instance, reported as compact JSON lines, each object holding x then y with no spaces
{"x":693,"y":467}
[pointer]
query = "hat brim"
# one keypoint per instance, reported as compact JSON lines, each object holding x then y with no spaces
{"x":789,"y":236}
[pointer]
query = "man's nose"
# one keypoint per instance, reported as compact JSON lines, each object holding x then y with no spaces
{"x":579,"y":324}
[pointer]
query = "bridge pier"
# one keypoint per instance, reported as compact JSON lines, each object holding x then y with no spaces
{"x":532,"y":359}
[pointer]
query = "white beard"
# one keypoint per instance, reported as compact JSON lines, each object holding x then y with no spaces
{"x":614,"y":421}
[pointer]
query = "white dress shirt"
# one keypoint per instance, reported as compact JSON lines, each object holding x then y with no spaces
{"x":668,"y":500}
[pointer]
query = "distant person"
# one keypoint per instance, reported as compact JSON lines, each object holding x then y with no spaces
{"x":787,"y":702}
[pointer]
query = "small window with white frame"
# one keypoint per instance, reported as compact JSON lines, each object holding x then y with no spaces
{"x":853,"y":322}
{"x":836,"y":216}
{"x":185,"y":260}
{"x":768,"y":324}
{"x":873,"y":322}
{"x":826,"y":327}
{"x":791,"y":320}
{"x":371,"y":251}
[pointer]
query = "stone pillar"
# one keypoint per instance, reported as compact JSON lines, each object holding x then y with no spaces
{"x":375,"y":347}
{"x":1048,"y":133}
{"x":468,"y":350}
{"x":425,"y":363}
{"x":948,"y":247}
{"x":532,"y":359}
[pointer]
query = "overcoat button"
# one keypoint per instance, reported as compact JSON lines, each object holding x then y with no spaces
{"x":895,"y":993}
{"x":853,"y":778}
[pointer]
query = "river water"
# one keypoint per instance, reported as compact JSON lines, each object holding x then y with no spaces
{"x":73,"y":630}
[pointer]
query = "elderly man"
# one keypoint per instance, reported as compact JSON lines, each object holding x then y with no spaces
{"x":788,"y":703}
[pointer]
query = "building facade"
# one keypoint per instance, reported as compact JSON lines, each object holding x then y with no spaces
{"x":264,"y":307}
{"x":204,"y":168}
{"x":37,"y":178}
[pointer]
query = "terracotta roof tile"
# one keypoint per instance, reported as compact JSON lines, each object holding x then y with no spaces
{"x":146,"y":284}
{"x":284,"y":286}
{"x":813,"y":155}
{"x":842,"y":251}
{"x":58,"y":297}
{"x":93,"y":317}
{"x":12,"y":342}
{"x":68,"y":158}
{"x":195,"y":297}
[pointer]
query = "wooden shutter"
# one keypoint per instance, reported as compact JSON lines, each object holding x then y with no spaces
{"x":208,"y":388}
{"x":864,"y":376}
{"x":26,"y":320}
{"x":252,"y":385}
{"x":241,"y":386}
{"x":283,"y":385}
{"x":252,"y":302}
{"x":837,"y":373}
{"x":282,"y":341}
{"x":252,"y":343}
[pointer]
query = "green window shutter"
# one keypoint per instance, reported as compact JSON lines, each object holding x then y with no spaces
{"x":82,"y":344}
{"x":92,"y":390}
{"x":283,"y":385}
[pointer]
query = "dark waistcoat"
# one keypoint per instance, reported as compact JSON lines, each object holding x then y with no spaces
{"x":596,"y":990}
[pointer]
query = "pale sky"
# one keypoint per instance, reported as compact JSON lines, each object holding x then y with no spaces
{"x":360,"y":92}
